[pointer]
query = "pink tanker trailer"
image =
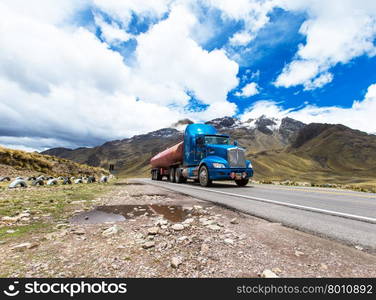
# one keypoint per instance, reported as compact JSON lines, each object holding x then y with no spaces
{"x":163,"y":161}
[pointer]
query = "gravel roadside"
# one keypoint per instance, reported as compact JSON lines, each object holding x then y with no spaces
{"x":145,"y":231}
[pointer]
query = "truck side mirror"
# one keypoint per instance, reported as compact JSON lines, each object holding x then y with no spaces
{"x":235,"y":143}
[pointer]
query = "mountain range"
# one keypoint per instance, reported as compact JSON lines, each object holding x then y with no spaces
{"x":280,"y":149}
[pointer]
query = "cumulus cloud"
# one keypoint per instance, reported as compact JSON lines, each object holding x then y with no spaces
{"x":82,"y":116}
{"x":123,"y":11}
{"x":181,"y":64}
{"x":319,"y":81}
{"x":249,"y":90}
{"x":336,"y":32}
{"x":41,"y":55}
{"x":111,"y":32}
{"x":60,"y":85}
{"x":241,"y":38}
{"x":54,"y":12}
{"x":359,"y":116}
{"x":267,"y":108}
{"x":253,"y":14}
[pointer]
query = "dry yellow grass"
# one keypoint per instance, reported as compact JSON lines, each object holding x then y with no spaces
{"x":21,"y":162}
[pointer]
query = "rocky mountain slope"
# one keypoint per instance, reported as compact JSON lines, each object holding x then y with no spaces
{"x":281,"y":149}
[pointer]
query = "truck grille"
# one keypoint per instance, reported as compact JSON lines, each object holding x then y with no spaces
{"x":236,"y":158}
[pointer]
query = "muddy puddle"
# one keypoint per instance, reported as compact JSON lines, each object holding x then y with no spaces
{"x":117,"y":213}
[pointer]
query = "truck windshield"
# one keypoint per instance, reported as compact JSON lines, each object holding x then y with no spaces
{"x":217,"y":140}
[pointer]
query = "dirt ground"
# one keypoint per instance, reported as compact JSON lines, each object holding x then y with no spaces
{"x":143,"y":231}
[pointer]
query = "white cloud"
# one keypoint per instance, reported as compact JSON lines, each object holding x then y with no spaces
{"x":319,"y":81}
{"x":241,"y":38}
{"x":249,"y":90}
{"x":40,"y":55}
{"x":268,"y":108}
{"x":46,"y":11}
{"x":112,"y":33}
{"x":170,"y":59}
{"x":31,"y":144}
{"x":76,"y":116}
{"x":360,"y":116}
{"x":253,"y":13}
{"x":60,"y":85}
{"x":215,"y":110}
{"x":122,"y":10}
{"x":336,"y":32}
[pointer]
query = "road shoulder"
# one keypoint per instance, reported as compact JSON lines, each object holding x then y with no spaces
{"x":204,"y":241}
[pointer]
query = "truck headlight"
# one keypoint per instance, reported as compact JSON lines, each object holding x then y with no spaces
{"x":250,"y":165}
{"x":218,"y":165}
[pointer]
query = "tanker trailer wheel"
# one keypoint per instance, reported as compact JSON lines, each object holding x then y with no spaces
{"x":172,"y":174}
{"x":179,"y":178}
{"x":242,"y":182}
{"x":203,"y":176}
{"x":155,"y":175}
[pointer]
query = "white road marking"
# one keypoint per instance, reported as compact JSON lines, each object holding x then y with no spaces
{"x":307,"y":208}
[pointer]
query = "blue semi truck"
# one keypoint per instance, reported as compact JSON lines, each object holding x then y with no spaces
{"x":203,"y":156}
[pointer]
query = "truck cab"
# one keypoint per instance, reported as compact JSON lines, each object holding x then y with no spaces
{"x":210,"y":156}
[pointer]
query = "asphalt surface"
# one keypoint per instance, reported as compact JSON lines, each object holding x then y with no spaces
{"x":342,"y":215}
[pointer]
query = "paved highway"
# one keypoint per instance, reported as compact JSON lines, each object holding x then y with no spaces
{"x":342,"y":215}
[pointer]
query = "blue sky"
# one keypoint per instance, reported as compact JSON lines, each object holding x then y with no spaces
{"x":79,"y":73}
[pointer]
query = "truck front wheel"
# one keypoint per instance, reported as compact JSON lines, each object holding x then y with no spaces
{"x":203,"y":177}
{"x":242,"y":182}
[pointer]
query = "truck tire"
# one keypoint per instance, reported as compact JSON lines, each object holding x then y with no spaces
{"x":179,"y":178}
{"x":172,"y":174}
{"x":203,"y":176}
{"x":242,"y":182}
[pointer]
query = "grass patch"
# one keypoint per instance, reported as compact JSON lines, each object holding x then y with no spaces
{"x":21,"y":230}
{"x":46,"y":205}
